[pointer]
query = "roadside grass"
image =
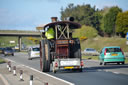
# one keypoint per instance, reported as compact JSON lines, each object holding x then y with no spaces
{"x":90,"y":57}
{"x":2,"y":61}
{"x":97,"y":58}
{"x":126,"y":60}
{"x":4,"y":40}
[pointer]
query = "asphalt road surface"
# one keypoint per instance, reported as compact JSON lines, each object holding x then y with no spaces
{"x":93,"y":73}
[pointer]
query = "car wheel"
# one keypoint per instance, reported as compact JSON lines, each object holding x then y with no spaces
{"x":123,"y":63}
{"x":12,"y":54}
{"x":101,"y":63}
{"x":105,"y":63}
{"x":118,"y":63}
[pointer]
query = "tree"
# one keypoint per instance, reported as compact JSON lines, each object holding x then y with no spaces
{"x":83,"y":14}
{"x":110,"y":19}
{"x":85,"y":31}
{"x":122,"y":23}
{"x":103,"y":12}
{"x":96,"y":21}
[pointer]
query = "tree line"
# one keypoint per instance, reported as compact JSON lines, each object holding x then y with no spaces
{"x":109,"y":21}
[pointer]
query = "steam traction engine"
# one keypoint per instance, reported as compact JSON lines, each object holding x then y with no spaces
{"x":62,"y":52}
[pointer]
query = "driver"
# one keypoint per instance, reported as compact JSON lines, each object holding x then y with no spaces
{"x":50,"y":33}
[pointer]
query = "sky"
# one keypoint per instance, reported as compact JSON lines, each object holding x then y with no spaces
{"x":28,"y":14}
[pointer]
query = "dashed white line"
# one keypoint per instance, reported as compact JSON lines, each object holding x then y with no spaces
{"x":4,"y":80}
{"x":116,"y":72}
{"x":51,"y":76}
{"x":112,"y":72}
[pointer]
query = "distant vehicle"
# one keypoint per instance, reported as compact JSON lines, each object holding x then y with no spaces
{"x":33,"y":52}
{"x":16,"y":48}
{"x":8,"y":51}
{"x":112,"y":54}
{"x":91,"y":51}
{"x":1,"y":50}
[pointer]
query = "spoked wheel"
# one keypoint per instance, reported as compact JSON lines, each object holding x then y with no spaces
{"x":44,"y":56}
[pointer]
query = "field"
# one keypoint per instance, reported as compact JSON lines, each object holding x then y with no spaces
{"x":92,"y":41}
{"x":4,"y":41}
{"x":99,"y":42}
{"x":97,"y":58}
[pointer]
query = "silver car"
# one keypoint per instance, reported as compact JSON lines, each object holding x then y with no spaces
{"x":91,"y":52}
{"x":33,"y":52}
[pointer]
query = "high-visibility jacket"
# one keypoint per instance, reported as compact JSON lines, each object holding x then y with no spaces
{"x":49,"y":33}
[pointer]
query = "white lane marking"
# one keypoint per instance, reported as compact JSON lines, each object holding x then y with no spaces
{"x":4,"y":80}
{"x":50,"y":75}
{"x":106,"y":71}
{"x":112,"y":72}
{"x":100,"y":70}
{"x":43,"y":73}
{"x":116,"y":72}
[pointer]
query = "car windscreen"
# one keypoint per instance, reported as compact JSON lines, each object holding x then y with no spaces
{"x":35,"y":49}
{"x":113,"y":50}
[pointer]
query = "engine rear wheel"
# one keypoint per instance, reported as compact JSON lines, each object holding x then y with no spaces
{"x":44,"y":56}
{"x":47,"y":55}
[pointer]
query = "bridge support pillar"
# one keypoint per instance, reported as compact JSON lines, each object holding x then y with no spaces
{"x":19,"y":42}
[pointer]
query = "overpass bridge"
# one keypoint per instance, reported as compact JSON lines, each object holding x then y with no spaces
{"x":19,"y":34}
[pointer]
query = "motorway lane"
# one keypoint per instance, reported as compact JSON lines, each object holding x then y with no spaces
{"x":22,"y":58}
{"x":92,"y":73}
{"x":94,"y":78}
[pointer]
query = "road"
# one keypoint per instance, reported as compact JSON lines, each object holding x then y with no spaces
{"x":92,"y":74}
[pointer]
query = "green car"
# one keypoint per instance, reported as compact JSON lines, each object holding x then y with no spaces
{"x":112,"y":54}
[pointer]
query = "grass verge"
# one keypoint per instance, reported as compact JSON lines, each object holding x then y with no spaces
{"x":126,"y":59}
{"x":2,"y":61}
{"x":97,"y":58}
{"x":90,"y":57}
